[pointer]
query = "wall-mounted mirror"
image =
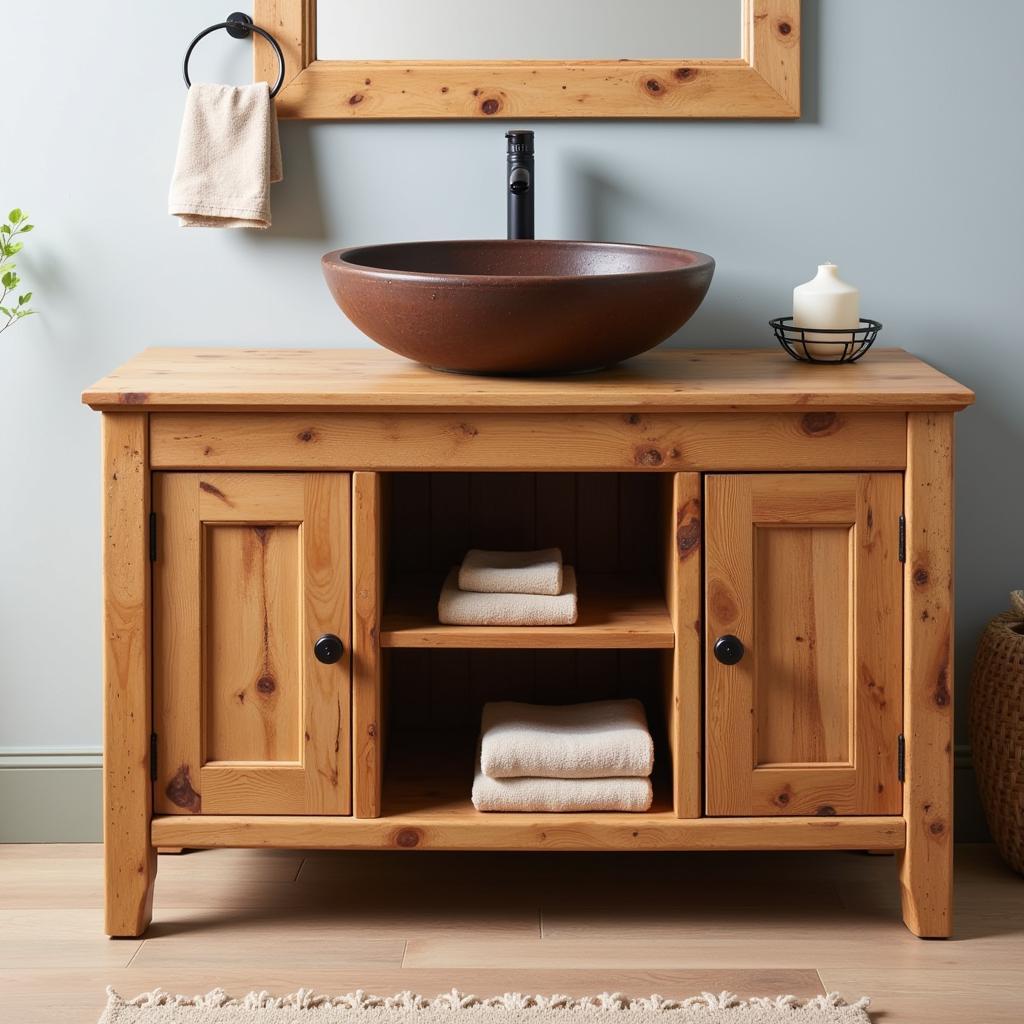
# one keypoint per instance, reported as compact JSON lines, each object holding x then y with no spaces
{"x":507,"y":30}
{"x":534,"y":58}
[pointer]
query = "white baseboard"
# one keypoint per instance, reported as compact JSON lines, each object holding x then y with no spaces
{"x":51,"y":795}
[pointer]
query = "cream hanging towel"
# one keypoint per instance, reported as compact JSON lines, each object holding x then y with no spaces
{"x":229,"y":152}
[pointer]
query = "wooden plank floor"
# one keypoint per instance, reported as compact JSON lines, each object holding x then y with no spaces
{"x":575,"y":923}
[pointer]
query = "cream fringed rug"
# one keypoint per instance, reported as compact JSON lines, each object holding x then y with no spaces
{"x":304,"y":1007}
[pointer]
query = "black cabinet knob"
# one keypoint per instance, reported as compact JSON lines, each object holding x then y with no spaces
{"x":329,"y":649}
{"x":728,"y":649}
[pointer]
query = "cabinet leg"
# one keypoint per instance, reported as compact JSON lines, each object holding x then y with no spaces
{"x":926,"y":864}
{"x":129,"y":857}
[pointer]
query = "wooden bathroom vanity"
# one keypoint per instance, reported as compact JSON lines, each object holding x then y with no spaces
{"x":276,"y":528}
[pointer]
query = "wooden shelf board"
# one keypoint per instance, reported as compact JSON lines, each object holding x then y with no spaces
{"x":427,"y":806}
{"x":614,"y":612}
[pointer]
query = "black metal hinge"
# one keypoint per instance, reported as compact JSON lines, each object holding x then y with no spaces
{"x":152,"y":757}
{"x":901,"y":758}
{"x":903,"y":537}
{"x":152,"y":536}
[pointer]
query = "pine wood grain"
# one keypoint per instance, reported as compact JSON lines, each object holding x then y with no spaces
{"x":684,"y":591}
{"x":664,"y":380}
{"x":926,"y":866}
{"x":251,"y":570}
{"x":804,"y":570}
{"x":367,"y":676}
{"x":130,"y":861}
{"x":614,"y":611}
{"x":764,"y":82}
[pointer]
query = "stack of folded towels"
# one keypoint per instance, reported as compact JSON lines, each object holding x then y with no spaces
{"x":509,"y":588}
{"x":578,"y":757}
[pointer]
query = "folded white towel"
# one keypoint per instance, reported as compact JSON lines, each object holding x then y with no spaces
{"x":574,"y":741}
{"x":228,"y":154}
{"x":512,"y":572}
{"x":561,"y":795}
{"x":463,"y":608}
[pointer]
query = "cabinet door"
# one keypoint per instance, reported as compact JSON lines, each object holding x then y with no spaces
{"x":805,"y":571}
{"x":252,"y":568}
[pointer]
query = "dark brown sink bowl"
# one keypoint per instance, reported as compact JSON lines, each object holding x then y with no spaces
{"x":522,"y":307}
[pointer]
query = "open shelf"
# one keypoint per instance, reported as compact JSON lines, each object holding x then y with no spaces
{"x":615,"y":611}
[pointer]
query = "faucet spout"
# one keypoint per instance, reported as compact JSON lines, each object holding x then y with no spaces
{"x":519,"y":184}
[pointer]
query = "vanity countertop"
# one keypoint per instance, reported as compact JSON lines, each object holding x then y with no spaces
{"x":665,"y":380}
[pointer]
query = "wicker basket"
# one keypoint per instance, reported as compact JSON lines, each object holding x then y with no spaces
{"x":997,"y":729}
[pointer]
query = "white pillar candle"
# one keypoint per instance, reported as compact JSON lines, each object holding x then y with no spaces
{"x":828,"y":303}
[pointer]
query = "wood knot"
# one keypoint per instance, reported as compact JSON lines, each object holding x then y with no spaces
{"x":937,"y":828}
{"x":685,"y":74}
{"x":782,"y":800}
{"x":784,"y":28}
{"x":648,"y":457}
{"x":371,"y":730}
{"x":491,"y":106}
{"x":180,"y":792}
{"x":920,"y":576}
{"x":215,"y":492}
{"x":820,"y":424}
{"x":133,"y":397}
{"x":633,"y":419}
{"x":306,"y":435}
{"x":444,"y":88}
{"x":654,"y":87}
{"x":355,"y":99}
{"x":688,"y":529}
{"x":366,"y":81}
{"x":468,"y":430}
{"x":721,"y":603}
{"x":407,"y":838}
{"x":825,"y":811}
{"x":942,"y":694}
{"x":266,"y":685}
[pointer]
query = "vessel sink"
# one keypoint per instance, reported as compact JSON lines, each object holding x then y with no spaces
{"x":518,"y":307}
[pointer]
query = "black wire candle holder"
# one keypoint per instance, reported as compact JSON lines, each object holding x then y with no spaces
{"x":824,"y":344}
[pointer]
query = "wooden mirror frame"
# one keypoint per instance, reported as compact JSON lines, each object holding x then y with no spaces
{"x":764,"y":82}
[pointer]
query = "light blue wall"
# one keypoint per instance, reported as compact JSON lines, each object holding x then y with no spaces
{"x":906,"y":170}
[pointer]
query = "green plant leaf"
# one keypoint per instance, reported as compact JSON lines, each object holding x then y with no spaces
{"x":23,"y":300}
{"x":5,"y":267}
{"x":5,"y":228}
{"x":14,"y":248}
{"x":9,"y":279}
{"x":26,"y":228}
{"x":15,"y":215}
{"x":6,"y":312}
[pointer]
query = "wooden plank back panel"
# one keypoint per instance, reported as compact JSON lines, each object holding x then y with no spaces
{"x":252,"y":569}
{"x":805,"y":571}
{"x":602,"y":522}
{"x":529,"y":441}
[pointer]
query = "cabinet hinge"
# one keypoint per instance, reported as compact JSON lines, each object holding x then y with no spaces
{"x":152,"y":757}
{"x":903,"y":537}
{"x":901,"y":758}
{"x":152,"y":536}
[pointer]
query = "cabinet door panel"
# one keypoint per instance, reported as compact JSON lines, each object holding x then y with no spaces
{"x":805,"y":570}
{"x":252,"y":569}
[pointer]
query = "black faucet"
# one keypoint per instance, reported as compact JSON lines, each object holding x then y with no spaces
{"x":519,"y":184}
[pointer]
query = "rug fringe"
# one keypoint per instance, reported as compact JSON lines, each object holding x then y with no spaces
{"x":307,"y":999}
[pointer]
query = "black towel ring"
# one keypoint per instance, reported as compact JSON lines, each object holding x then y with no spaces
{"x":239,"y":26}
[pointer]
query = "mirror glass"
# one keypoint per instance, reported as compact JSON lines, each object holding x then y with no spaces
{"x":569,"y":30}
